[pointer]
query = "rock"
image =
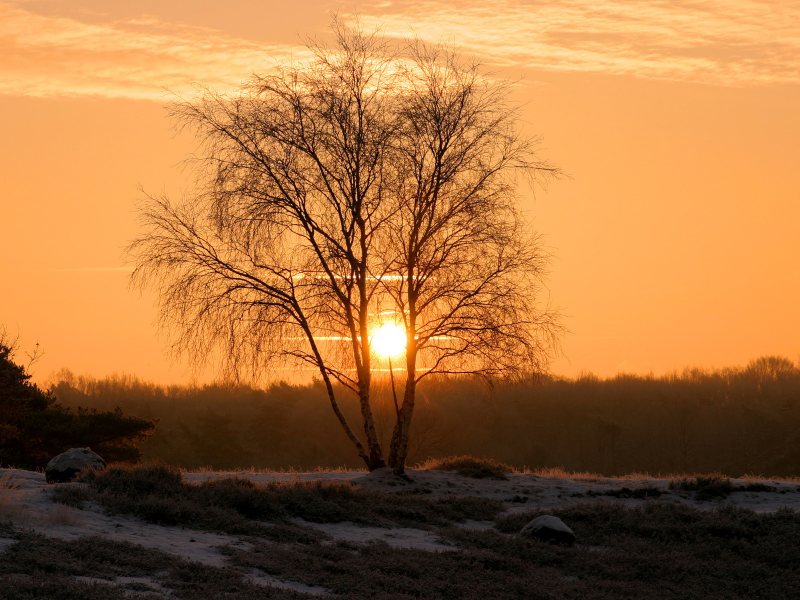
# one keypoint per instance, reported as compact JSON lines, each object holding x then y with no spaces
{"x":549,"y":529}
{"x":65,"y":466}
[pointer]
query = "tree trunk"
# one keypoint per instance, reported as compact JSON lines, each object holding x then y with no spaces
{"x":376,"y":460}
{"x":398,"y":450}
{"x":343,"y":421}
{"x":402,"y":431}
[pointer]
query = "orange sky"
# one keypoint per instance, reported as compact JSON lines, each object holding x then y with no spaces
{"x":676,"y":240}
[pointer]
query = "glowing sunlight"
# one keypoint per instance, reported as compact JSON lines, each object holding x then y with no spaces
{"x":389,"y":340}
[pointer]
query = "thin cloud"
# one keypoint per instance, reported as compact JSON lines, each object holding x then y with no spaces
{"x":57,"y":56}
{"x":92,"y":270}
{"x":725,"y":42}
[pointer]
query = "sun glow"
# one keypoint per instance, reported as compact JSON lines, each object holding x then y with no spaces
{"x":389,"y":340}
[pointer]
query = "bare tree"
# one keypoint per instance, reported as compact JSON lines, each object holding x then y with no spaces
{"x":466,"y":271}
{"x":268,"y":262}
{"x":329,"y":191}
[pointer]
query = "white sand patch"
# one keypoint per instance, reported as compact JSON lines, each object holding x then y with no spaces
{"x":398,"y":537}
{"x":260,"y":578}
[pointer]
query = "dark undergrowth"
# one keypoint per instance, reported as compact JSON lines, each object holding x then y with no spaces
{"x":641,"y":493}
{"x":70,"y":494}
{"x":715,"y":487}
{"x":37,"y":567}
{"x":469,"y":466}
{"x":156,"y":493}
{"x":662,"y":551}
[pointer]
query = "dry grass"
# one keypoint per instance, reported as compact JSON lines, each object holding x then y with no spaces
{"x":259,"y":471}
{"x":8,"y":492}
{"x":560,"y":473}
{"x":762,"y":478}
{"x":553,"y":472}
{"x":472,"y":463}
{"x":63,"y":516}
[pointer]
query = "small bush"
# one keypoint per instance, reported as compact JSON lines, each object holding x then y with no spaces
{"x":469,"y":466}
{"x":754,"y":487}
{"x":148,"y":478}
{"x":715,"y":487}
{"x":70,"y":494}
{"x":642,"y":493}
{"x":706,"y":488}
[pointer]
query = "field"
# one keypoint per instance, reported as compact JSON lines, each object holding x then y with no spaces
{"x":153,"y":531}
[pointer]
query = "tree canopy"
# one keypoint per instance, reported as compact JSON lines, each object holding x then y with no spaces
{"x":372,"y":184}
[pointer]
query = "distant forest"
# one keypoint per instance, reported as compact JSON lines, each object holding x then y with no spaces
{"x":735,"y":421}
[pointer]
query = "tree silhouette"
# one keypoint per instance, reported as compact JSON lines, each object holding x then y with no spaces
{"x":34,"y":427}
{"x":327,"y":199}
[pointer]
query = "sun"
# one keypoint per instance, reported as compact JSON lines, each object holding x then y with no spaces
{"x":389,"y":340}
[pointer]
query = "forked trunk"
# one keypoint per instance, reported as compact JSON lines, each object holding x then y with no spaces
{"x":371,"y":455}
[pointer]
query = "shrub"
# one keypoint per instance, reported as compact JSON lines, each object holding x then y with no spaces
{"x":641,"y":493}
{"x":715,"y":487}
{"x":69,"y":494}
{"x":469,"y":466}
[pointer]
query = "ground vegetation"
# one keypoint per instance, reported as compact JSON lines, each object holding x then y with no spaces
{"x":657,"y":550}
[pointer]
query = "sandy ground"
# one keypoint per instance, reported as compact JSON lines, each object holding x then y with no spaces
{"x":30,"y":507}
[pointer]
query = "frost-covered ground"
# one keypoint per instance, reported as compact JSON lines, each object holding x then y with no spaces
{"x":524,"y":491}
{"x":29,"y":507}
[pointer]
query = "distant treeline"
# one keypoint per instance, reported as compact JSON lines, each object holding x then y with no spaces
{"x":734,"y":420}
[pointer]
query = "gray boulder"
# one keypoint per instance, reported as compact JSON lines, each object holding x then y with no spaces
{"x":549,"y":529}
{"x":65,"y":466}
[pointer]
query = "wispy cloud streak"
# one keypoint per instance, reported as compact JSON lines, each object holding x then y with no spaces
{"x":56,"y":56}
{"x":725,"y":42}
{"x":92,"y":270}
